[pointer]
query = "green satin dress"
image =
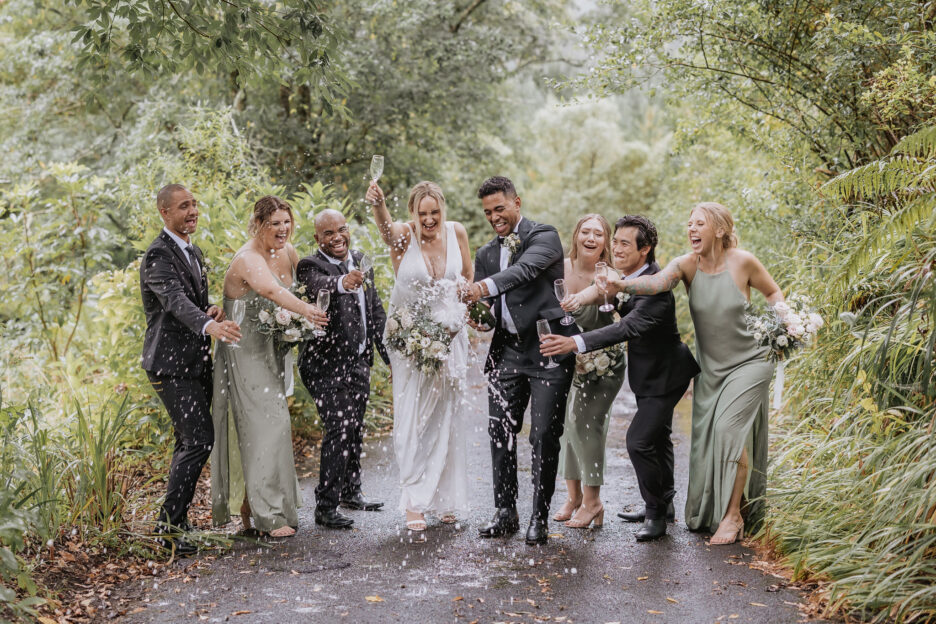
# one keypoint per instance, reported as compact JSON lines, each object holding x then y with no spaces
{"x":253,"y":432}
{"x":582,"y":454}
{"x":729,"y":404}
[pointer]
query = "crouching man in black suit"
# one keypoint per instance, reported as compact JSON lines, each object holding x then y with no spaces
{"x":659,"y":369}
{"x":177,"y":352}
{"x":336,"y":367}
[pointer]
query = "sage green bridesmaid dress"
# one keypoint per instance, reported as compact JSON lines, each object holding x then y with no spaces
{"x":582,"y":454}
{"x":253,"y":433}
{"x":729,"y":404}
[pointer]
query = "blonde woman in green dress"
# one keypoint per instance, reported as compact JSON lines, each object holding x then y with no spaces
{"x":582,"y":458}
{"x":728,"y":455}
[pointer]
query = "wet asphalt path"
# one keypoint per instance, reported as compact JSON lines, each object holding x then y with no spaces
{"x":378,"y":573}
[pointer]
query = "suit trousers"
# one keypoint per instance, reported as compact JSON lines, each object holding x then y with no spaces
{"x":341,"y":406}
{"x":188,"y":402}
{"x":509,"y":391}
{"x":651,"y":450}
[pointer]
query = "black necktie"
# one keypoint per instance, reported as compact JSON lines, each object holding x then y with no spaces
{"x":193,"y":263}
{"x":357,"y":331}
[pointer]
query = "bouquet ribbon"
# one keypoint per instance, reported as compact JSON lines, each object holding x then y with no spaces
{"x":778,"y":386}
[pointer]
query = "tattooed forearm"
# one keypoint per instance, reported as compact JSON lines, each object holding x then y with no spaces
{"x":654,"y":284}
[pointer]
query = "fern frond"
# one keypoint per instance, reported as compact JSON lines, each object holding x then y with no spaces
{"x":920,"y":212}
{"x":881,"y":177}
{"x":921,"y":144}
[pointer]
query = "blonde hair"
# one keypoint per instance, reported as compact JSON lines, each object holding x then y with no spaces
{"x":264,"y":209}
{"x":720,"y":219}
{"x":420,"y":192}
{"x":606,"y":228}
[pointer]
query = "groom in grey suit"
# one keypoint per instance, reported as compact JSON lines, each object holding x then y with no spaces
{"x":514,"y":273}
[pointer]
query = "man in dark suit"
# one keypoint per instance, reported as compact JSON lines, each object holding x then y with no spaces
{"x":515,"y":273}
{"x":659,"y":369}
{"x":336,"y":367}
{"x":177,"y":352}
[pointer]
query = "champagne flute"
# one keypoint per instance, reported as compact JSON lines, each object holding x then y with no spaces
{"x":376,"y":167}
{"x":322,"y":302}
{"x":560,"y":287}
{"x":601,"y":279}
{"x":238,"y":310}
{"x":542,"y":329}
{"x":365,"y":265}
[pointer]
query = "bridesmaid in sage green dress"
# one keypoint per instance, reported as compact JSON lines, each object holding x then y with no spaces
{"x":582,"y":455}
{"x":728,"y":455}
{"x":252,"y":462}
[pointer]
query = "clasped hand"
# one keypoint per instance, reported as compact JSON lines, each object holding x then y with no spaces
{"x":353,"y":280}
{"x":315,"y":316}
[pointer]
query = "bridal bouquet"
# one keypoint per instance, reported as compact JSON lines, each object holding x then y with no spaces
{"x":594,"y":365}
{"x":785,"y":327}
{"x":423,"y":330}
{"x":283,"y":325}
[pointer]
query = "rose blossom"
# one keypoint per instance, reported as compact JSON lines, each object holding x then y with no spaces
{"x":782,"y":341}
{"x":283,"y":317}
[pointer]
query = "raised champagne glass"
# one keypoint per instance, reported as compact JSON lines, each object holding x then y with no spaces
{"x":542,"y":329}
{"x":561,"y":293}
{"x":238,"y":310}
{"x":324,"y":296}
{"x":601,"y":279}
{"x":376,"y":167}
{"x":365,"y":265}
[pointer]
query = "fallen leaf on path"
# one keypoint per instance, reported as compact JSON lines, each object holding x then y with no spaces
{"x":757,"y":604}
{"x":673,"y":600}
{"x":241,"y":612}
{"x":46,"y":620}
{"x":642,"y":578}
{"x":654,"y":612}
{"x":457,"y":598}
{"x":373,"y":599}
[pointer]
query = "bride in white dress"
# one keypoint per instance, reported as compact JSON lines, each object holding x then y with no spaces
{"x":430,"y":256}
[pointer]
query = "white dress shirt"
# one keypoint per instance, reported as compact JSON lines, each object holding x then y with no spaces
{"x":193,"y":260}
{"x":359,"y":292}
{"x":492,"y":287}
{"x":579,"y":343}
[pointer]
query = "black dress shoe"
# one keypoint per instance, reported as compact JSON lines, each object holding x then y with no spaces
{"x":174,"y":544}
{"x":332,"y":518}
{"x":505,"y":522}
{"x":357,"y":501}
{"x":640,"y":516}
{"x":537,"y":532}
{"x":651,"y":530}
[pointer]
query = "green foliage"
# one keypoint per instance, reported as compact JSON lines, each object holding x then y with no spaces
{"x":763,"y":67}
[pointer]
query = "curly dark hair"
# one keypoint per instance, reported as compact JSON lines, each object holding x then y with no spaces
{"x":497,"y":184}
{"x":646,"y":233}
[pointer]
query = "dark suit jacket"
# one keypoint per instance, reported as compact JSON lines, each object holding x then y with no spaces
{"x":330,"y":357}
{"x":527,"y":285}
{"x":657,"y":361}
{"x":176,"y":305}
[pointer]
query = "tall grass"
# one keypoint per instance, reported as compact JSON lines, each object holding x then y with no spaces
{"x":853,"y":475}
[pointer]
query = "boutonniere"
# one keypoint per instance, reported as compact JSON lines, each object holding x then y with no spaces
{"x":623,"y":297}
{"x":512,"y":243}
{"x":206,"y":267}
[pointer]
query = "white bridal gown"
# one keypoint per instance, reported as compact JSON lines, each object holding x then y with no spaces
{"x":428,"y":408}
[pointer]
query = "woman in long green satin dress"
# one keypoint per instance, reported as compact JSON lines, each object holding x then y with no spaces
{"x":582,"y":455}
{"x":252,"y":463}
{"x":728,"y":455}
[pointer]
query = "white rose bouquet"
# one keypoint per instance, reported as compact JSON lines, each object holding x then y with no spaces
{"x":785,"y":327}
{"x":283,"y":325}
{"x":423,"y":331}
{"x":594,"y":365}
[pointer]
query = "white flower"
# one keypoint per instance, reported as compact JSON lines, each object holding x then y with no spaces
{"x":292,"y":335}
{"x":392,"y":326}
{"x":406,"y":319}
{"x":437,"y":350}
{"x":793,"y":320}
{"x":602,"y":362}
{"x":283,"y":317}
{"x":815,"y":319}
{"x":306,"y":324}
{"x":758,"y":336}
{"x":589,"y":366}
{"x":796,"y":331}
{"x":781,"y":308}
{"x":512,"y":243}
{"x":782,"y":341}
{"x":623,"y":297}
{"x":264,"y":316}
{"x":425,"y":341}
{"x":811,"y":329}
